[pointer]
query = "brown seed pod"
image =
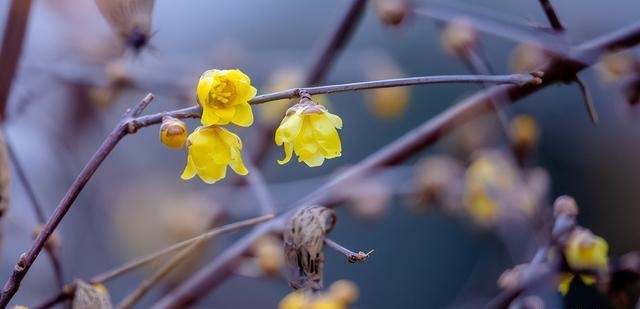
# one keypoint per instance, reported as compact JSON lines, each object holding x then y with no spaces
{"x":303,"y":242}
{"x":129,"y":19}
{"x":88,"y":296}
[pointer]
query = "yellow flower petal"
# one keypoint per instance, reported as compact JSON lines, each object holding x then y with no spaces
{"x":243,"y":116}
{"x":326,"y":135}
{"x":288,"y":152}
{"x":209,"y":117}
{"x":189,"y":170}
{"x":289,"y":128}
{"x":335,"y":120}
{"x":202,"y":90}
{"x":565,"y":283}
{"x":238,"y":166}
{"x":212,"y":173}
{"x":313,"y":160}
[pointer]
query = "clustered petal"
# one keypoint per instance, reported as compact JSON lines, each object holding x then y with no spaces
{"x":210,"y":150}
{"x":224,"y":96}
{"x":309,"y":131}
{"x":584,"y":250}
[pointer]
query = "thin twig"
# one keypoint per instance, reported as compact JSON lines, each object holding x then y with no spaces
{"x":37,"y":209}
{"x":12,"y":41}
{"x":142,"y":261}
{"x":551,"y":15}
{"x":27,"y":259}
{"x":150,"y":282}
{"x":211,"y":275}
{"x":515,"y":79}
{"x":351,"y":256}
{"x":588,"y":100}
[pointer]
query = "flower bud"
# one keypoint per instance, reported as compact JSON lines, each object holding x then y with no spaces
{"x":53,"y":242}
{"x":523,"y":133}
{"x":270,"y":258}
{"x":527,"y":57}
{"x":616,"y":65}
{"x":173,"y":132}
{"x":392,"y":12}
{"x":565,"y":205}
{"x":586,"y":250}
{"x":386,"y":103}
{"x":344,"y":291}
{"x":458,"y":37}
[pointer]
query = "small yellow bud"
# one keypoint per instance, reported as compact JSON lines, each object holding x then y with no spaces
{"x":392,"y":12}
{"x":344,"y":291}
{"x":173,"y":132}
{"x":524,"y":132}
{"x":616,"y":65}
{"x":269,"y":254}
{"x":386,"y":103}
{"x":565,"y":205}
{"x":53,"y":242}
{"x":527,"y":57}
{"x":458,"y":37}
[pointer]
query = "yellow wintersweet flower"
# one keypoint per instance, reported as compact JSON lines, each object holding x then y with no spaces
{"x":309,"y":130}
{"x":224,"y":97}
{"x":210,"y":150}
{"x":584,"y":250}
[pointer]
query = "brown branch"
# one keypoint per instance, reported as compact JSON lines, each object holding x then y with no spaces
{"x":27,"y":259}
{"x":588,"y":100}
{"x":12,"y":41}
{"x":428,"y":133}
{"x":551,"y":15}
{"x":351,"y":256}
{"x":195,"y":111}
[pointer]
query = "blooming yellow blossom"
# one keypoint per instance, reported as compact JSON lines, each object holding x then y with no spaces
{"x":210,"y":150}
{"x":224,"y":96}
{"x":173,"y":132}
{"x":584,"y":251}
{"x":309,"y":130}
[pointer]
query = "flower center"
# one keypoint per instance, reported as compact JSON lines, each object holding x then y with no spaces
{"x":222,"y":92}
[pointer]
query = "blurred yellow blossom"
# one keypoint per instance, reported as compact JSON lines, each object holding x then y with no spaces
{"x":344,"y":291}
{"x":584,"y":250}
{"x":458,"y":37}
{"x":224,"y":96}
{"x":309,"y":130}
{"x":527,"y":57}
{"x":617,"y":64}
{"x":386,"y":103}
{"x":299,"y":300}
{"x":282,"y":79}
{"x":210,"y":150}
{"x":173,"y":132}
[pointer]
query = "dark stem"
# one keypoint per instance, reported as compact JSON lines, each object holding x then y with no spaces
{"x":588,"y":100}
{"x":12,"y":41}
{"x":551,"y":15}
{"x":351,"y":256}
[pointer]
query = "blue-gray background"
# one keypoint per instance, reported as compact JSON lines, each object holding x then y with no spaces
{"x":420,"y":261}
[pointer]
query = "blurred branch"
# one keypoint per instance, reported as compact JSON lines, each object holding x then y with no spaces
{"x":588,"y":100}
{"x":425,"y":135}
{"x":551,"y":15}
{"x":256,"y":181}
{"x":37,"y":209}
{"x":351,"y":256}
{"x":142,"y":261}
{"x":12,"y":41}
{"x":547,"y":40}
{"x":26,"y":260}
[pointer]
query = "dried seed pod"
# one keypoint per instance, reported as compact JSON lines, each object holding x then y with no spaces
{"x":88,"y":296}
{"x":129,"y":19}
{"x":303,"y":242}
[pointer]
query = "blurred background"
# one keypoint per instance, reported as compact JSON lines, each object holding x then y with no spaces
{"x":73,"y":84}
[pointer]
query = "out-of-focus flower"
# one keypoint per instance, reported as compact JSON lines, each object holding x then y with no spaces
{"x":210,"y":150}
{"x":173,"y":132}
{"x":282,"y":79}
{"x":386,"y":103}
{"x":616,"y":65}
{"x":458,"y":37}
{"x":565,"y":205}
{"x":437,"y":180}
{"x":527,"y":57}
{"x":524,"y":133}
{"x":130,"y":20}
{"x":20,"y":307}
{"x":344,"y":291}
{"x":367,"y":198}
{"x":90,"y":296}
{"x":392,"y":12}
{"x":117,"y":73}
{"x":495,"y":188}
{"x":293,"y":300}
{"x":309,"y":130}
{"x":511,"y":278}
{"x":584,"y":250}
{"x":224,"y":96}
{"x":53,"y":242}
{"x":269,"y":255}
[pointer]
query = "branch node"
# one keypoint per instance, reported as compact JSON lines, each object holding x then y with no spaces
{"x":22,"y":263}
{"x":359,"y":257}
